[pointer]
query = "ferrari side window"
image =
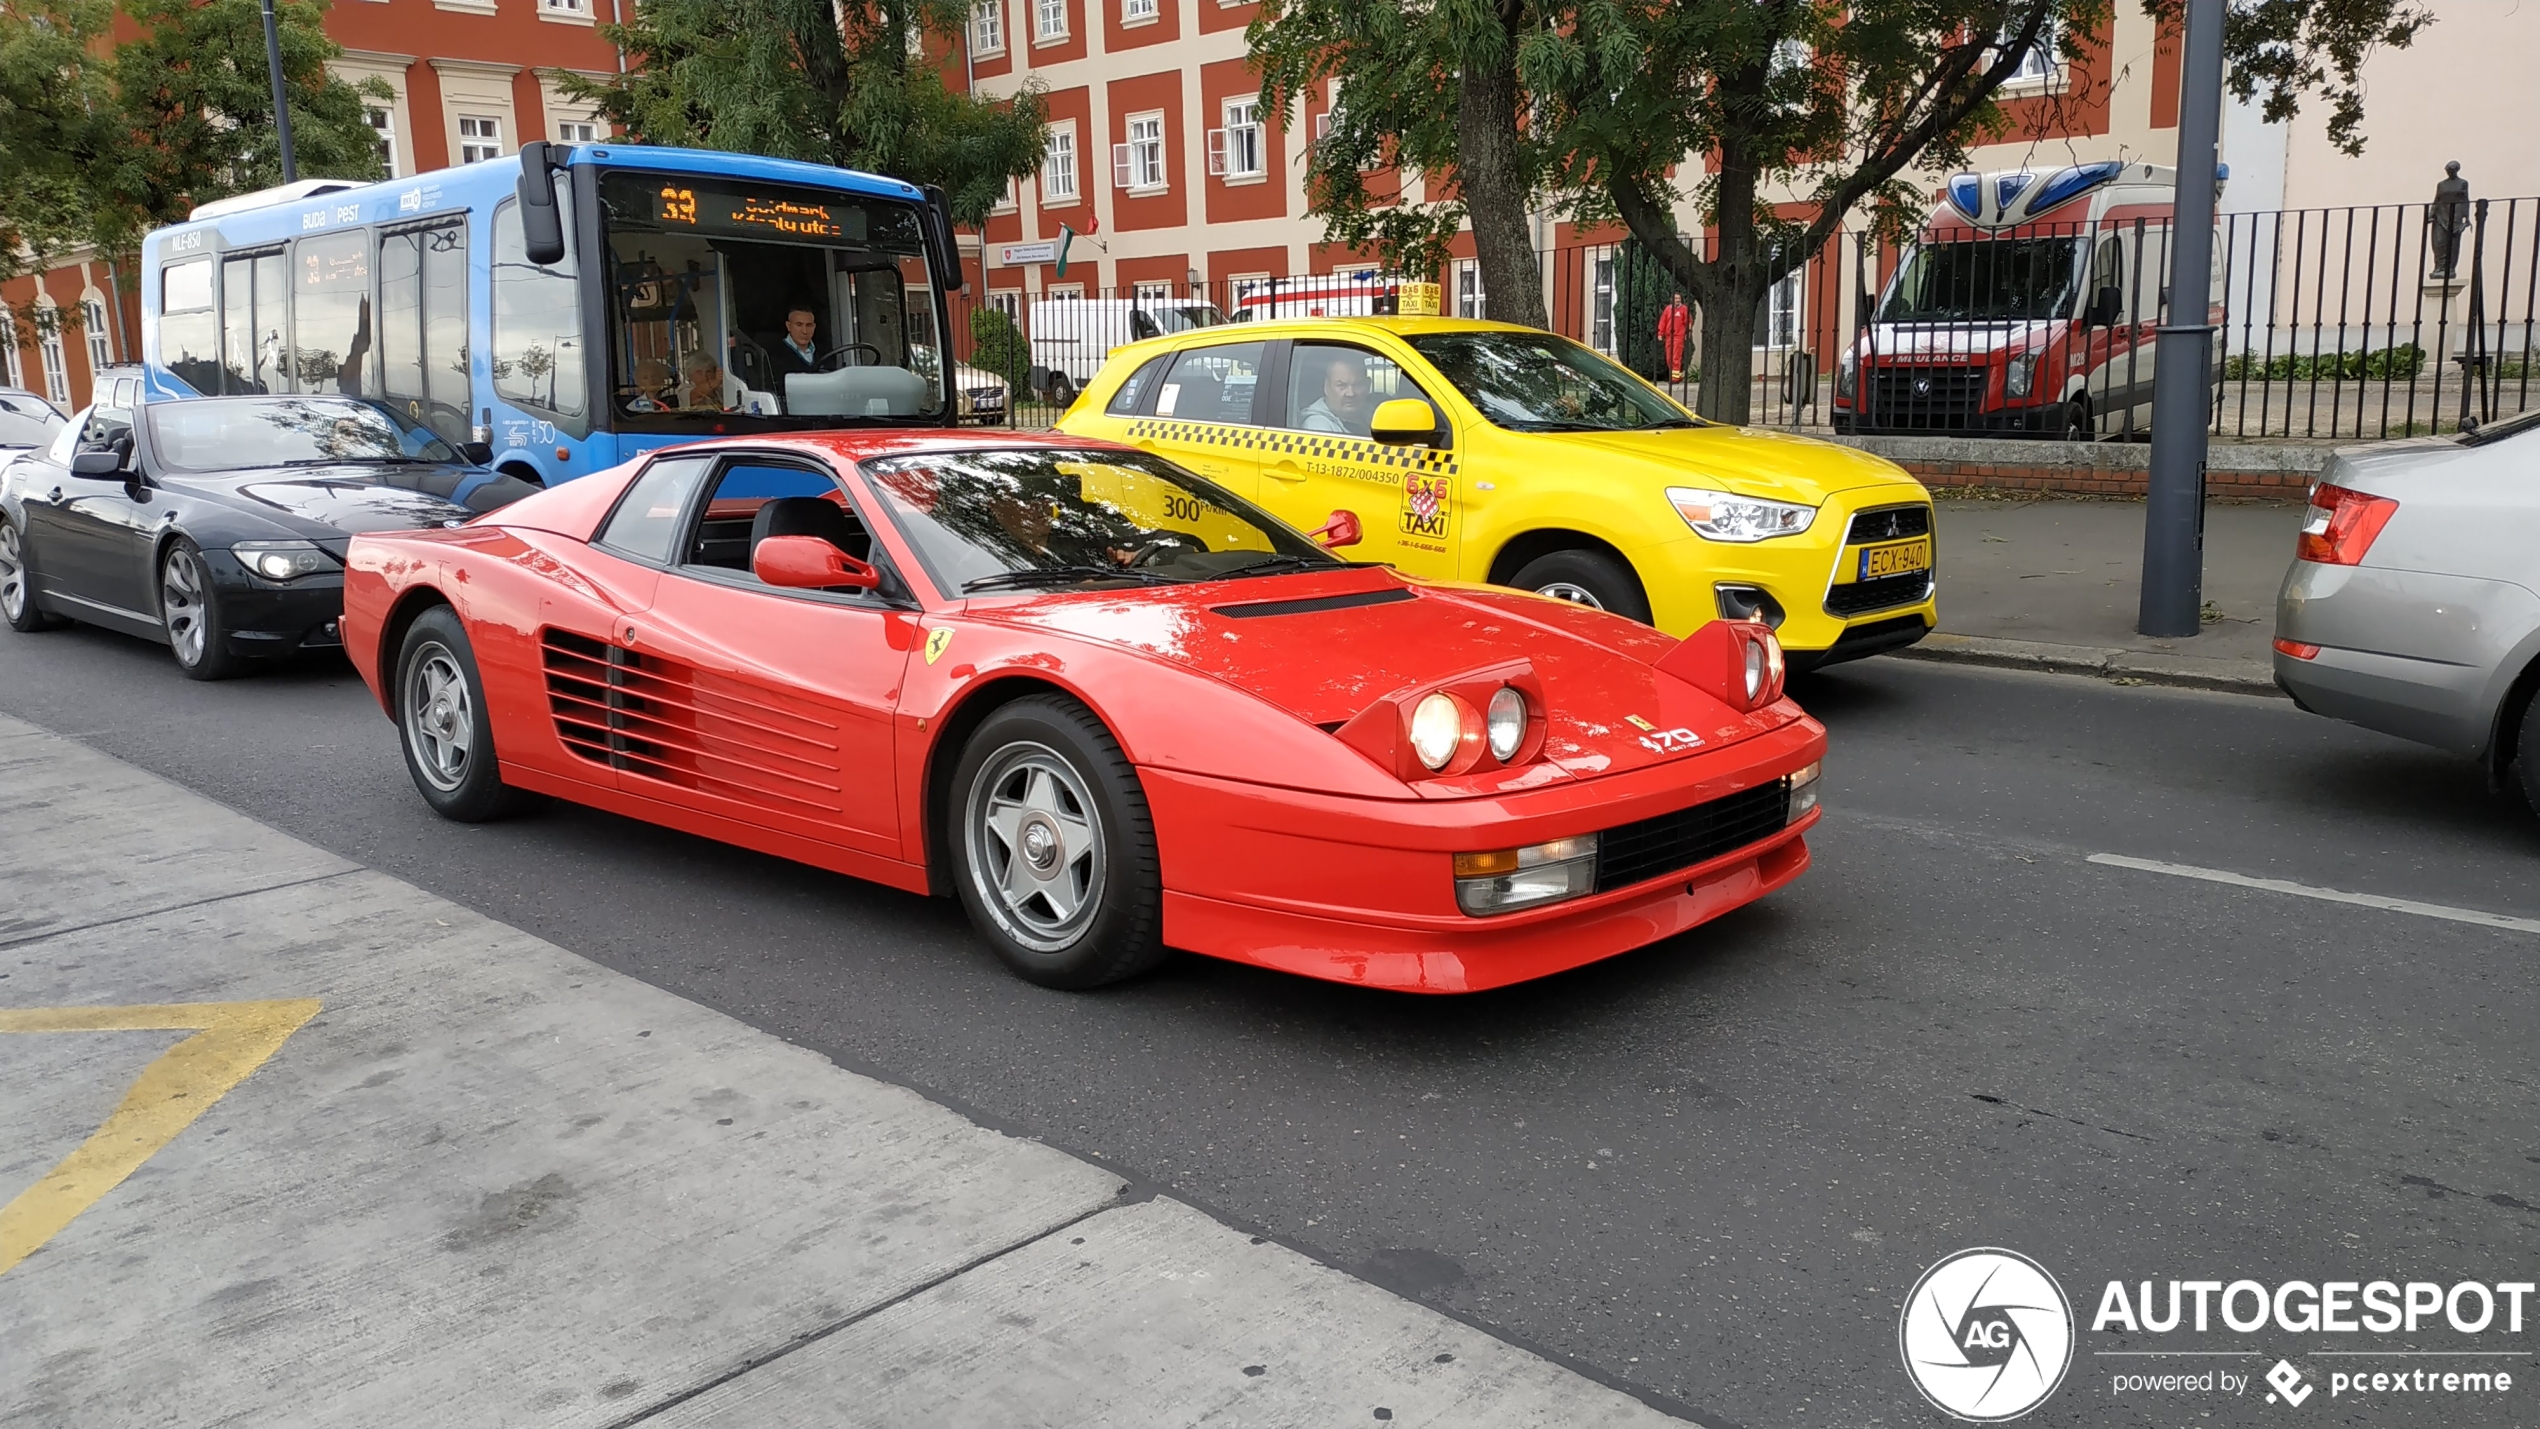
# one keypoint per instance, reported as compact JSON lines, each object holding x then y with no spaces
{"x":752,"y":501}
{"x":646,"y":522}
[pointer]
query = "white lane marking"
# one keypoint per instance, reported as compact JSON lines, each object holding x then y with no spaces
{"x":2328,"y":895}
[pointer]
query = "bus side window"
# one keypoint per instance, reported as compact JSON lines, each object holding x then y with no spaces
{"x":331,"y":337}
{"x":189,"y":328}
{"x":251,"y":324}
{"x":423,"y":327}
{"x":537,"y":321}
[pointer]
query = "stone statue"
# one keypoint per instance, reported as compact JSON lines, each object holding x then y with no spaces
{"x":2447,"y":218}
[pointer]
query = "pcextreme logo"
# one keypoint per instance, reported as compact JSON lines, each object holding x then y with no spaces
{"x":1986,"y":1335}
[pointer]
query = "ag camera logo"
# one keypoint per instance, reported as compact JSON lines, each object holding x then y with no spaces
{"x":1986,"y":1335}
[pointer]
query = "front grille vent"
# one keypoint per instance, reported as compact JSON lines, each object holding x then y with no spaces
{"x":1885,"y":593}
{"x":1670,"y":842}
{"x":1937,"y":399}
{"x":661,"y":719}
{"x":1891,"y":523}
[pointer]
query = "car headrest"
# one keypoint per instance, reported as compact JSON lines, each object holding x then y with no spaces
{"x":810,"y":516}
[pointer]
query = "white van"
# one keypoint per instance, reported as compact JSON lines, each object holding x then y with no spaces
{"x":1073,"y":337}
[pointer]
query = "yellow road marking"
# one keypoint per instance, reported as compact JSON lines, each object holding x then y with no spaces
{"x":231,"y":1040}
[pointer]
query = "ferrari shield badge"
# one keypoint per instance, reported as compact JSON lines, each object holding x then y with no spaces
{"x":1635,"y":721}
{"x":937,"y":641}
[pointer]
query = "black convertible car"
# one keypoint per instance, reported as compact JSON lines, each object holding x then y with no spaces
{"x":218,"y":524}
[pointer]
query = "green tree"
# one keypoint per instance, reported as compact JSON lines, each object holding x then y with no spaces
{"x":997,"y":345}
{"x":61,"y":146}
{"x":1627,"y":106}
{"x":825,"y":82}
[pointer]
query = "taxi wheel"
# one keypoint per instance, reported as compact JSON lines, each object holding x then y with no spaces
{"x":1590,"y":578}
{"x":1053,"y":848}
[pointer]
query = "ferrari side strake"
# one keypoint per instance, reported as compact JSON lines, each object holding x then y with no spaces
{"x":1111,"y":706}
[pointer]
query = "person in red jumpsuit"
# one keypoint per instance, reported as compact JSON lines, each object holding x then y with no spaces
{"x":1674,"y":321}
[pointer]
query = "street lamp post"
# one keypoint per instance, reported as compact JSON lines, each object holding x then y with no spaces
{"x":2182,"y":373}
{"x":281,"y":104}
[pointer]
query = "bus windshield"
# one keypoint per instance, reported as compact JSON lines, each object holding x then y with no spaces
{"x":1985,"y":280}
{"x":729,"y":296}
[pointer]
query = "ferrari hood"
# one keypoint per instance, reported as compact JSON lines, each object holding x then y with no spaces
{"x":1325,"y":647}
{"x":1750,"y":461}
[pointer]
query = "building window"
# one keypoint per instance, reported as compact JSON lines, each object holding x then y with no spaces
{"x":1139,"y":164}
{"x":1777,"y":317}
{"x":1008,"y":301}
{"x":1237,"y":151}
{"x":1010,"y":195}
{"x":1134,"y":11}
{"x":573,"y":131}
{"x":1049,"y":21}
{"x":1058,"y":165}
{"x":1150,"y":292}
{"x":1600,"y":333}
{"x":1468,"y":289}
{"x":57,"y":372}
{"x":2037,"y":64}
{"x":383,"y":123}
{"x":566,"y":7}
{"x":92,"y":318}
{"x":480,"y":137}
{"x":12,"y":365}
{"x":987,"y":27}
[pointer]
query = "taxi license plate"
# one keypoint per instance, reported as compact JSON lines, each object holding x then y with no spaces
{"x":1896,"y":560}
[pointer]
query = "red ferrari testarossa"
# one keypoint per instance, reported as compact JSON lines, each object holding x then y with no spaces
{"x":1113,"y":707}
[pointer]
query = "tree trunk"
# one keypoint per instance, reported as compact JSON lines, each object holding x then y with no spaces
{"x":1491,"y":171}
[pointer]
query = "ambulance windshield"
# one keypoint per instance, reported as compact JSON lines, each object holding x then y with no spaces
{"x":1986,"y":280}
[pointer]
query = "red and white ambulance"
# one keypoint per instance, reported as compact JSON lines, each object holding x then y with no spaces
{"x":2027,"y":305}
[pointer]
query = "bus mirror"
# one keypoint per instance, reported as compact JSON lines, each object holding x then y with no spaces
{"x":541,"y":223}
{"x":939,"y":226}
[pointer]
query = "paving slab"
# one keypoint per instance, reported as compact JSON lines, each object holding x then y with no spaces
{"x":337,"y":1151}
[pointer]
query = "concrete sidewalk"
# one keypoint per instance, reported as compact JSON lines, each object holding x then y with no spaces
{"x":292,"y":1142}
{"x":2054,"y":585}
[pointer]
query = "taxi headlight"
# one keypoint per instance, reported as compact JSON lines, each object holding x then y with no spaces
{"x":1727,"y":516}
{"x":1802,"y":784}
{"x":282,"y":560}
{"x":1437,"y":727}
{"x":1505,"y":880}
{"x":1505,"y":723}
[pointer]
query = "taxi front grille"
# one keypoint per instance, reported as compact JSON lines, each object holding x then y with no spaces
{"x":1670,"y":842}
{"x":1889,"y":523}
{"x":1887,"y":592}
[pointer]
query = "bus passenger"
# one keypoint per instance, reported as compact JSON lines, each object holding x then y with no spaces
{"x":705,"y":384}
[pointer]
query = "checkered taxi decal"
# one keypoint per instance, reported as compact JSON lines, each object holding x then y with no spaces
{"x":1423,"y":477}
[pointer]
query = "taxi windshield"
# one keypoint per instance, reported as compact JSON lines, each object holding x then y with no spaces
{"x":1535,"y":382}
{"x":1040,"y":518}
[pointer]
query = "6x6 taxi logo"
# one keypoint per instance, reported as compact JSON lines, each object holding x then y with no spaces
{"x":1986,"y":1335}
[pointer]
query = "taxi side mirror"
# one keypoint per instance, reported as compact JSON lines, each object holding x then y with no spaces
{"x":1341,"y":530}
{"x":1405,"y":422}
{"x":810,"y":563}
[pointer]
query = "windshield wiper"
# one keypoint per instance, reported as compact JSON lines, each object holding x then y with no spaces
{"x":1062,"y":575}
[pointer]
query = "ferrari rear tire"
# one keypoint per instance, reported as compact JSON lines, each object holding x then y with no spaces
{"x":189,"y":607}
{"x":17,"y":584}
{"x":441,"y":721}
{"x":1054,"y":849}
{"x":1590,"y":578}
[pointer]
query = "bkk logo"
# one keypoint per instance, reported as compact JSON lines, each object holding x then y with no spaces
{"x":1986,"y":1335}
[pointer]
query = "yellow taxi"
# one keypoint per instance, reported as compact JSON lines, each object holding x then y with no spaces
{"x":1483,"y":452}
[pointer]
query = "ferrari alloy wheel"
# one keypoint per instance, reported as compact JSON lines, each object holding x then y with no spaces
{"x":1589,"y":578}
{"x":1054,"y":851}
{"x":190,"y":609}
{"x":17,"y":589}
{"x":440,"y":708}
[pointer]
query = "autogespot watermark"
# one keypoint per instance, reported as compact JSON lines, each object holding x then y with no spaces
{"x":1987,"y":1335}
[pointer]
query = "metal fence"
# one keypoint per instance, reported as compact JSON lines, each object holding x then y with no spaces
{"x":2331,"y":324}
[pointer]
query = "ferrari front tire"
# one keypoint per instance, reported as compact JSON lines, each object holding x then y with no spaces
{"x":1054,"y":849}
{"x":441,"y":719}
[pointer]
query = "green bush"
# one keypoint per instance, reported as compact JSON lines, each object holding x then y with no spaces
{"x":2401,"y":364}
{"x":997,"y":345}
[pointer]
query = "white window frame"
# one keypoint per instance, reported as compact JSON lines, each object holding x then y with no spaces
{"x":575,"y":8}
{"x":577,"y":131}
{"x":487,"y":140}
{"x":383,"y":122}
{"x":1140,"y":12}
{"x":1049,"y":22}
{"x":2042,"y":66}
{"x":56,"y":362}
{"x":1604,"y":277}
{"x":1137,"y":166}
{"x":1240,"y":150}
{"x":1008,"y":301}
{"x":92,"y":321}
{"x":1151,"y":290}
{"x":1010,"y":197}
{"x":987,"y":27}
{"x":1060,"y":181}
{"x":1065,"y":292}
{"x":12,"y":361}
{"x":1469,"y":299}
{"x":1778,"y":327}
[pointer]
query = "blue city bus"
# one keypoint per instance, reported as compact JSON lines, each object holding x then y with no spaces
{"x":562,"y":310}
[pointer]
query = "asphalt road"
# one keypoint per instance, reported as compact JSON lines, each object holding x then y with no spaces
{"x":1711,"y":1170}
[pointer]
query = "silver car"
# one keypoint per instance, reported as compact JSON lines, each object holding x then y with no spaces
{"x":2413,"y":605}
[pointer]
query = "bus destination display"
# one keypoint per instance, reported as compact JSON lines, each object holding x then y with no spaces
{"x":744,"y":215}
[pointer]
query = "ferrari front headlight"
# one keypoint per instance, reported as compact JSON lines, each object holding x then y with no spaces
{"x":1505,"y":723}
{"x":1437,"y":727}
{"x":1727,"y":516}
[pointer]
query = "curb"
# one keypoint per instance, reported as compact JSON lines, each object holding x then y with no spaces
{"x":2231,"y":677}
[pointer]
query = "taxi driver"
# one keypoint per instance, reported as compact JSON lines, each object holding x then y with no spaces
{"x":1346,"y":399}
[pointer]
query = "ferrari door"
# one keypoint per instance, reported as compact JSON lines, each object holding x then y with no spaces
{"x":771,"y":707}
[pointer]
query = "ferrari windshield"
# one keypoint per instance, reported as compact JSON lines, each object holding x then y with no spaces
{"x":1535,"y":382}
{"x":1025,"y":518}
{"x":1991,"y":279}
{"x":240,"y":433}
